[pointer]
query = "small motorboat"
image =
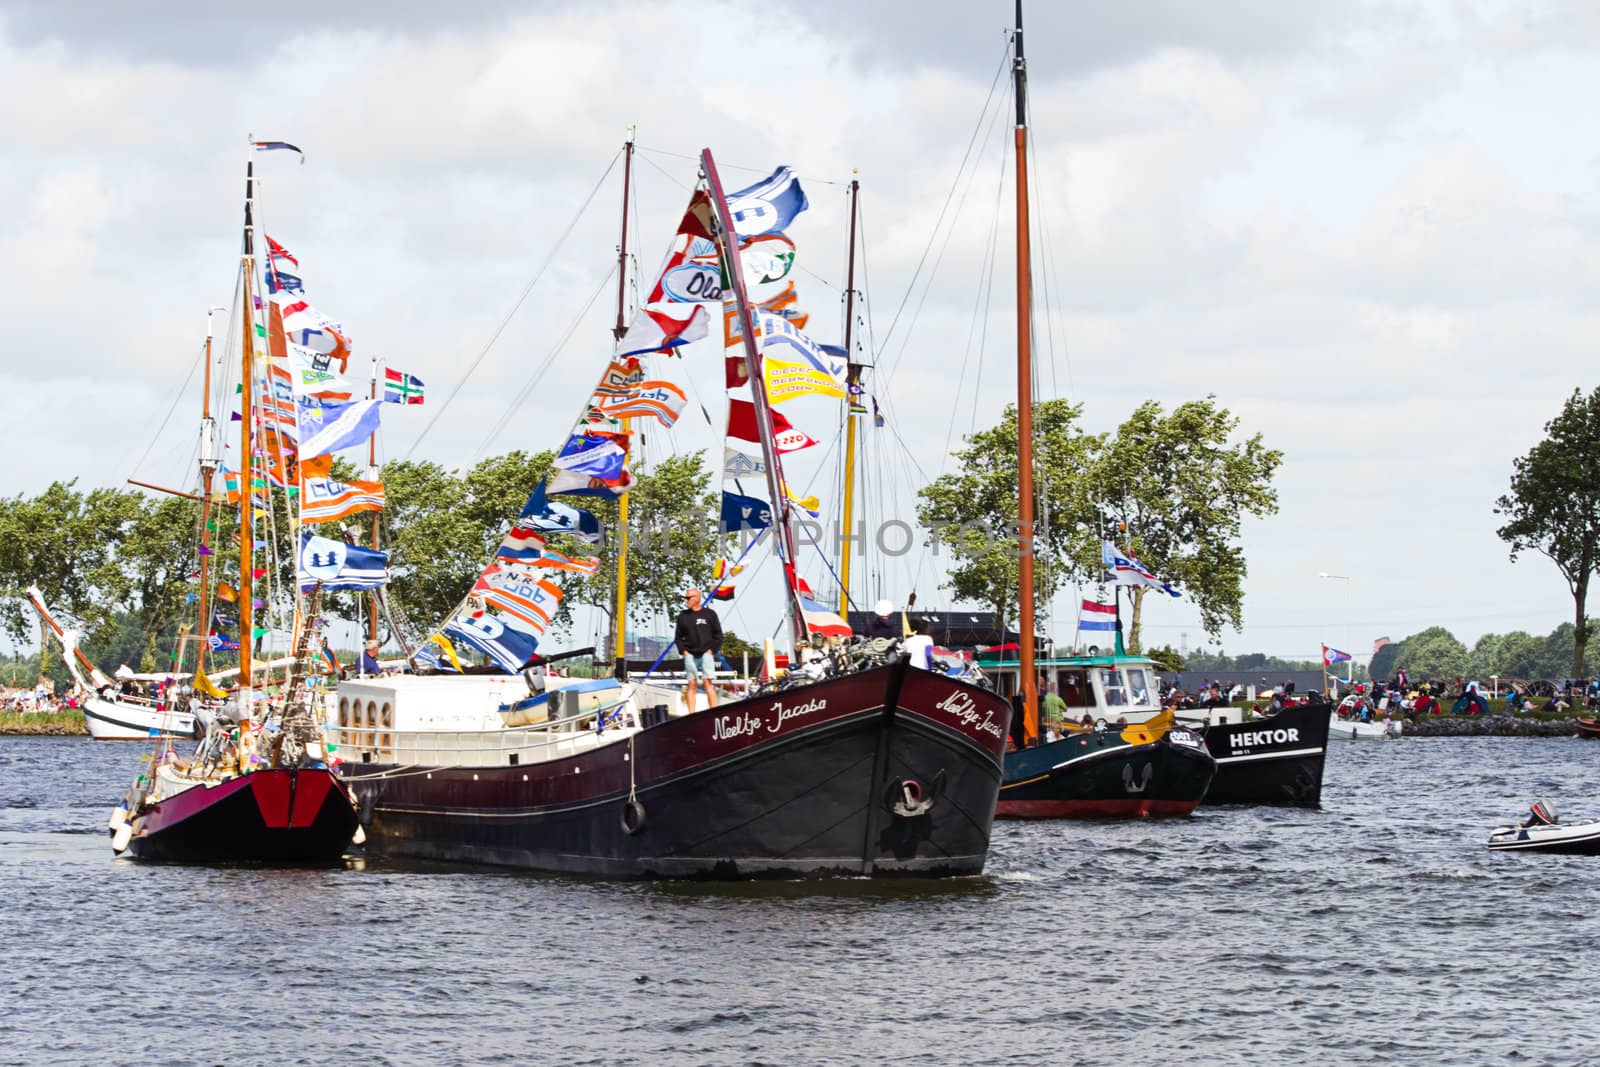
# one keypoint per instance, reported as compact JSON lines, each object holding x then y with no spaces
{"x":1542,"y":831}
{"x":1357,"y":730}
{"x":1589,"y":728}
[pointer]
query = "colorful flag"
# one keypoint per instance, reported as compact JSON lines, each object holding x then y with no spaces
{"x":551,"y":516}
{"x":508,"y":647}
{"x":1093,"y":616}
{"x":1330,"y":656}
{"x":525,"y":597}
{"x":523,"y":545}
{"x":591,"y":464}
{"x":343,"y":425}
{"x":278,"y":146}
{"x":766,"y":258}
{"x":338,"y":565}
{"x":305,"y":325}
{"x":401,"y":388}
{"x":781,"y":304}
{"x":664,"y":326}
{"x":877,"y":416}
{"x":742,"y":421}
{"x":744,"y":513}
{"x":768,"y":206}
{"x":787,"y":379}
{"x":736,"y":464}
{"x":311,"y":375}
{"x":326,"y":500}
{"x":660,"y":400}
{"x":821,"y":619}
{"x":282,"y":269}
{"x":1125,"y":570}
{"x":810,"y":504}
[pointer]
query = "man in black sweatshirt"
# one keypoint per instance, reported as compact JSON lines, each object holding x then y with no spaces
{"x":699,"y":638}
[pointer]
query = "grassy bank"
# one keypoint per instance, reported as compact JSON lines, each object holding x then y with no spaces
{"x":33,"y":724}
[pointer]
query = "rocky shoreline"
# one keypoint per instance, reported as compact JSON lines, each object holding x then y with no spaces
{"x":1488,"y":726}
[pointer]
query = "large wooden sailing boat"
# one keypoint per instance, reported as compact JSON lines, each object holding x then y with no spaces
{"x":855,"y":763}
{"x":258,"y":787}
{"x":1144,"y":769}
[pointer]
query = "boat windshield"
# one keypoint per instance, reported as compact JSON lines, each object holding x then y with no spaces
{"x":1074,"y":689}
{"x":1111,"y":682}
{"x":1139,"y":691}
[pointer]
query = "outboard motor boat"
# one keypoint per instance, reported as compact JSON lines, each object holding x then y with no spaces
{"x":1543,"y":831}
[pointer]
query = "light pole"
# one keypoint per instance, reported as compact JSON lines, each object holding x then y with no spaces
{"x":1350,"y":672}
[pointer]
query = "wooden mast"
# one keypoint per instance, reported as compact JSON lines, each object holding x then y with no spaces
{"x":372,"y":463}
{"x":247,"y":270}
{"x":854,"y":380}
{"x":782,"y":528}
{"x":208,"y":467}
{"x":619,"y":599}
{"x":1025,"y":527}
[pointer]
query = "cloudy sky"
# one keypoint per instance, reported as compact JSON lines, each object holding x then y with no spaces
{"x":1370,"y":230}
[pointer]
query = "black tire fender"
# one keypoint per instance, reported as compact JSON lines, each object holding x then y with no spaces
{"x":634,"y":817}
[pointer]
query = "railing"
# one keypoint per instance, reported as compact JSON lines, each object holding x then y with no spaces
{"x":516,"y":745}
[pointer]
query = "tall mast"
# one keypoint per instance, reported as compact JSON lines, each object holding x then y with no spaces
{"x":1025,"y":528}
{"x":208,"y":468}
{"x":758,"y":393}
{"x":372,"y":463}
{"x":247,"y":273}
{"x":854,"y":380}
{"x":619,"y":600}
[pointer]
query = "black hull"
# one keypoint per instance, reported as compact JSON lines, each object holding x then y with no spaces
{"x":1274,"y":760}
{"x":1099,"y":775}
{"x":296,"y":818}
{"x":814,"y":802}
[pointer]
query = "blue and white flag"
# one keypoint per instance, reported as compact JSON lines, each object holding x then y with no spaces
{"x":553,"y":517}
{"x":769,"y":205}
{"x":507,"y":646}
{"x":593,"y":455}
{"x":1125,"y":570}
{"x":338,"y":565}
{"x":744,"y":513}
{"x":341,"y":426}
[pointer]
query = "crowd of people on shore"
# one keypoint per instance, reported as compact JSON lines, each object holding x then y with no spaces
{"x":39,"y":700}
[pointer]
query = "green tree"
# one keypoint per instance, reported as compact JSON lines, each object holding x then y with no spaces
{"x":973,"y":510}
{"x":1180,"y":491}
{"x":1553,"y":506}
{"x":1434,"y":653}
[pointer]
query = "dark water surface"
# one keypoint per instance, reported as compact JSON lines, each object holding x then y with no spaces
{"x":1377,"y":930}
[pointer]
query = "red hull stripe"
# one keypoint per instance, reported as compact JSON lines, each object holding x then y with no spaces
{"x":1127,"y":808}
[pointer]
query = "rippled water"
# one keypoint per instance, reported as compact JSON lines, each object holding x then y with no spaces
{"x":1377,"y":930}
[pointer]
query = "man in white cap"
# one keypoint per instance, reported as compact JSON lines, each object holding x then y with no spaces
{"x":368,"y":663}
{"x":882,"y":623}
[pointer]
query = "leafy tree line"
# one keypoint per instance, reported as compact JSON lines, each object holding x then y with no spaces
{"x":1436,"y":653}
{"x":1170,"y":487}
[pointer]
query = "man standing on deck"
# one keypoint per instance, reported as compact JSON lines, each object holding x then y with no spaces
{"x":367,"y":665}
{"x":699,"y":638}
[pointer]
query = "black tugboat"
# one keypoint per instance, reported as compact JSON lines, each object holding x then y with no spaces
{"x":1275,"y":759}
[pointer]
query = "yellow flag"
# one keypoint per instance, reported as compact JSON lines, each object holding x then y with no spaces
{"x":206,"y":686}
{"x":450,"y":650}
{"x":787,"y":379}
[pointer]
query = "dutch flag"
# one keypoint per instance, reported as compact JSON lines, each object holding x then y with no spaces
{"x":1093,"y":616}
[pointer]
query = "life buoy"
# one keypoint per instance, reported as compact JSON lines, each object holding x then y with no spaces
{"x":633,"y":817}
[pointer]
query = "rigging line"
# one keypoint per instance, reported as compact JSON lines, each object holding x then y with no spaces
{"x":550,"y":258}
{"x":892,"y":363}
{"x":734,"y":166}
{"x":1005,"y":58}
{"x":669,"y":175}
{"x":178,"y":396}
{"x":988,"y":296}
{"x":544,"y":367}
{"x":866,"y":281}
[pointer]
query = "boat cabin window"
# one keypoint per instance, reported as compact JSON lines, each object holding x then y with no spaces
{"x":1074,"y":688}
{"x":1139,"y":691}
{"x":1111,"y":682}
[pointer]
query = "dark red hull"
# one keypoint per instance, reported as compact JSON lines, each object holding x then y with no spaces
{"x":810,"y":782}
{"x":1589,"y":728}
{"x":301,"y":816}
